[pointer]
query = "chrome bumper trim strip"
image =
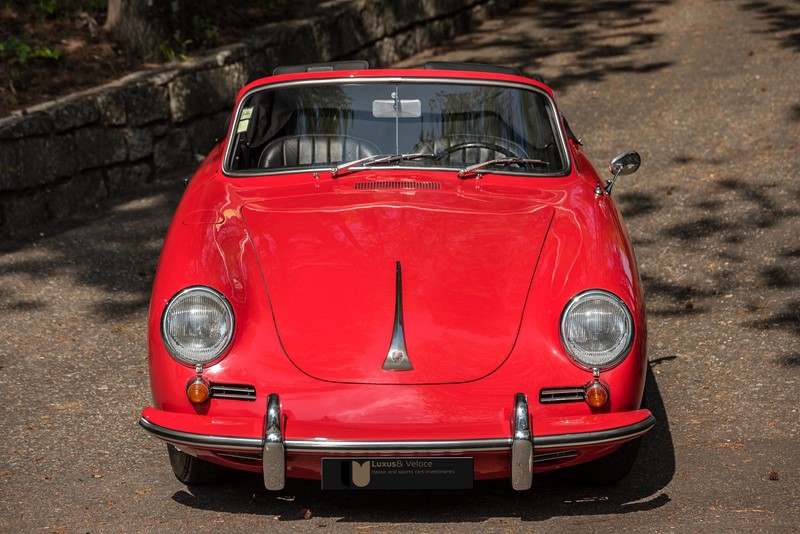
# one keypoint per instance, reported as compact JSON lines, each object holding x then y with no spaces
{"x":177,"y":437}
{"x":399,"y":447}
{"x":211,"y":442}
{"x":594,"y":438}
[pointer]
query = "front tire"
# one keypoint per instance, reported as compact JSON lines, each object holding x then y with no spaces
{"x":191,"y":470}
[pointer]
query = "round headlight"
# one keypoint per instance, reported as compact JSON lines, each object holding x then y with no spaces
{"x":197,"y":325}
{"x":597,"y":329}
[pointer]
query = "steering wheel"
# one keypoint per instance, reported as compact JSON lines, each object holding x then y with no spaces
{"x":477,"y":144}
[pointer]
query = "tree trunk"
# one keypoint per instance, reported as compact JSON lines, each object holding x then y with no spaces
{"x":148,"y":27}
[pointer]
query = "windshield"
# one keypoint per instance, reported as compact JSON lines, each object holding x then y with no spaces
{"x":448,"y":125}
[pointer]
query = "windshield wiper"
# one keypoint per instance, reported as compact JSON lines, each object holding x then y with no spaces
{"x":375,"y":160}
{"x":400,"y":157}
{"x":472,"y":169}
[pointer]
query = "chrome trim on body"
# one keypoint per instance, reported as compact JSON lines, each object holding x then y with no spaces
{"x":325,"y":446}
{"x":382,"y":447}
{"x":176,"y":437}
{"x":561,"y":395}
{"x":521,"y":446}
{"x":556,"y":124}
{"x":397,"y":358}
{"x":273,"y":457}
{"x":623,"y":352}
{"x":599,"y":437}
{"x":522,"y":426}
{"x":170,"y":347}
{"x":398,"y":447}
{"x":233,"y":391}
{"x":398,"y":184}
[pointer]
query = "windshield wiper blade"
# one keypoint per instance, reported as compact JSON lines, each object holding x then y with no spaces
{"x":400,"y":157}
{"x":375,"y":160}
{"x":472,"y":169}
{"x":336,"y":171}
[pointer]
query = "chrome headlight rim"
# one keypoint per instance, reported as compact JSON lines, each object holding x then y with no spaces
{"x":221,"y":349}
{"x":622,"y":350}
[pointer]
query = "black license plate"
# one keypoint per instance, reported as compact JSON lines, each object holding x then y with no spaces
{"x":396,"y":473}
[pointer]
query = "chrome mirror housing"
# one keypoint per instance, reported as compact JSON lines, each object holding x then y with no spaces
{"x":622,"y":165}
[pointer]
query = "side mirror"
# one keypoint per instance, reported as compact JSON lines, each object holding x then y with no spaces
{"x":624,"y":164}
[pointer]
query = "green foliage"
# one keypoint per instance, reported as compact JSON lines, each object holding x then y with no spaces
{"x":16,"y":52}
{"x":168,"y":50}
{"x":203,"y":31}
{"x":19,"y":56}
{"x":47,"y":7}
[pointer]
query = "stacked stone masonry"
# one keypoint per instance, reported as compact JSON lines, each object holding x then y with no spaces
{"x":65,"y":156}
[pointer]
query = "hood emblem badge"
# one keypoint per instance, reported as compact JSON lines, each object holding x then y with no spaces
{"x":397,"y":358}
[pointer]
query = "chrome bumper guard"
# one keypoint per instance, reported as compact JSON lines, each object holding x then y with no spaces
{"x":273,"y":457}
{"x":521,"y":444}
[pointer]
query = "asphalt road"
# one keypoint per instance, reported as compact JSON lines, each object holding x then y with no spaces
{"x":707,"y":91}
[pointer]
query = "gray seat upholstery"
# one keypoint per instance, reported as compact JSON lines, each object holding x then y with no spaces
{"x":299,"y":150}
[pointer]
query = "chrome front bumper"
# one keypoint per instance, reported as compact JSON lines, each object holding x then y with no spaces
{"x":525,"y":447}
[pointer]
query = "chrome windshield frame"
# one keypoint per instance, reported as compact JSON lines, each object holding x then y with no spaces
{"x":555,"y":120}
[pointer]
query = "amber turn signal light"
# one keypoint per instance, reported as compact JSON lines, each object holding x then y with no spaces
{"x":198,"y":391}
{"x":596,"y":394}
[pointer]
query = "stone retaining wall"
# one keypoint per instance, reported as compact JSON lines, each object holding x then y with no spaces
{"x":69,"y":154}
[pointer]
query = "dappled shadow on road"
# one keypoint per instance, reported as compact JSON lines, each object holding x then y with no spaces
{"x":635,"y":204}
{"x":702,"y":227}
{"x":554,"y":494}
{"x":783,"y":25}
{"x":792,"y":360}
{"x":13,"y":303}
{"x":715,"y":220}
{"x":672,"y":299}
{"x":603,"y":35}
{"x":602,"y":38}
{"x":783,"y":21}
{"x":756,"y":211}
{"x":795,"y":113}
{"x":111,"y":252}
{"x":779,"y":277}
{"x":787,"y":318}
{"x":717,"y":227}
{"x":722,"y":226}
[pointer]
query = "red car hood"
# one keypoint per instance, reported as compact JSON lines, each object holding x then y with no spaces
{"x":330,"y":265}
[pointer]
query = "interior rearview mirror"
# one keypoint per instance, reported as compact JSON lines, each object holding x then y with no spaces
{"x":385,"y":109}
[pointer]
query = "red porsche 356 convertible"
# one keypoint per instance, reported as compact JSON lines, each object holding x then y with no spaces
{"x":398,"y":279}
